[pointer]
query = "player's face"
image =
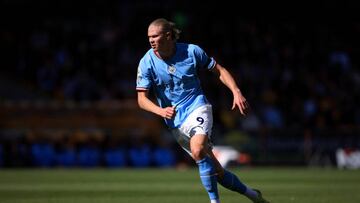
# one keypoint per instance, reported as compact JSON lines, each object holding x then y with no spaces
{"x":157,"y":38}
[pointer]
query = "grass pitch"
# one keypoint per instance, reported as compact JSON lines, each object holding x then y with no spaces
{"x":279,"y":185}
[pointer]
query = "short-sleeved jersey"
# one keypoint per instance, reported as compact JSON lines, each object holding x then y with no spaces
{"x":175,"y":81}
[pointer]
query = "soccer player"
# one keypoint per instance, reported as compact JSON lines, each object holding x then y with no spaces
{"x":171,"y":69}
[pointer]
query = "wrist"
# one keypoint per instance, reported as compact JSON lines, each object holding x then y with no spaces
{"x":236,"y":91}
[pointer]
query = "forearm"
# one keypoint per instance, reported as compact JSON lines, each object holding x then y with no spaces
{"x":228,"y":80}
{"x":148,"y":105}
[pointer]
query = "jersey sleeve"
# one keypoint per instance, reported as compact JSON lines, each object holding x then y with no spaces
{"x":143,"y":80}
{"x":203,"y":59}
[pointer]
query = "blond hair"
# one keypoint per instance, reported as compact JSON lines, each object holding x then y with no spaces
{"x":167,"y":26}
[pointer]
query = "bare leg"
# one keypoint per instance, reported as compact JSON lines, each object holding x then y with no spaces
{"x":198,"y":147}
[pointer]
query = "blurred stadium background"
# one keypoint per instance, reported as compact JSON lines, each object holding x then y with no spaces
{"x":68,"y":70}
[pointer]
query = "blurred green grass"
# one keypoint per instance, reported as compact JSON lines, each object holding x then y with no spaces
{"x":279,"y":185}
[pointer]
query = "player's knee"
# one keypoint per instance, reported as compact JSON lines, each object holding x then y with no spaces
{"x":198,"y":153}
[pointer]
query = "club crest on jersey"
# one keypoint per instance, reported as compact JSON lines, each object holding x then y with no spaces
{"x":171,"y":69}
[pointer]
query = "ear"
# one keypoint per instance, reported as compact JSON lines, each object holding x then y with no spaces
{"x":168,"y":35}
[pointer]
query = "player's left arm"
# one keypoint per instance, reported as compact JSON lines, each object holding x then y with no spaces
{"x":227,"y":79}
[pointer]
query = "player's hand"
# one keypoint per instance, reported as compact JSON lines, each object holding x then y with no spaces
{"x":168,"y":112}
{"x":241,"y":102}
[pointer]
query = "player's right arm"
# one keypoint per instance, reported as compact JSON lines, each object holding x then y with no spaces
{"x":146,"y":104}
{"x":143,"y":83}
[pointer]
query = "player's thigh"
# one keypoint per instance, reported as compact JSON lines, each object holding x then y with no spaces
{"x":198,"y":123}
{"x":199,"y":146}
{"x":199,"y":141}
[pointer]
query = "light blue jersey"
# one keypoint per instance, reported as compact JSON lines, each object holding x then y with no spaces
{"x":175,"y":80}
